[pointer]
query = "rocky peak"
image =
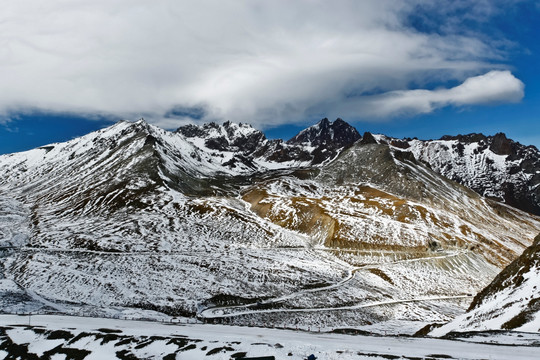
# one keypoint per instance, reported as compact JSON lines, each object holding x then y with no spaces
{"x":313,"y":145}
{"x":226,"y":137}
{"x":332,"y":134}
{"x":344,"y":134}
{"x":243,"y":136}
{"x":501,"y":145}
{"x":497,"y":143}
{"x":327,"y":138}
{"x":191,"y":131}
{"x":368,"y":139}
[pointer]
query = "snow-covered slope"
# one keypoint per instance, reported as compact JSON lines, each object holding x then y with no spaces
{"x":103,"y":219}
{"x":493,"y":166}
{"x":63,"y":337}
{"x":510,"y":302}
{"x":213,"y":220}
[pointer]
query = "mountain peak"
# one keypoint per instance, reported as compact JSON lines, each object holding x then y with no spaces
{"x":340,"y":121}
{"x":327,"y":138}
{"x":229,"y":136}
{"x":324,"y":123}
{"x":368,"y":138}
{"x":497,"y":143}
{"x":162,"y":208}
{"x":492,"y":165}
{"x":338,"y":133}
{"x":501,"y":145}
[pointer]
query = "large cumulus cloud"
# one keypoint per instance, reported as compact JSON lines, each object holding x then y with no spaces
{"x":260,"y":62}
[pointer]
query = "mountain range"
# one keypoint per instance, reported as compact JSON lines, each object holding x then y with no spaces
{"x":220,"y":223}
{"x":493,"y":166}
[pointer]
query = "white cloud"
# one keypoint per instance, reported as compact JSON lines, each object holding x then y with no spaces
{"x":495,"y":87}
{"x":260,"y":62}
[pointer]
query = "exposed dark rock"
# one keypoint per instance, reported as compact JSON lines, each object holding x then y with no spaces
{"x":501,"y":145}
{"x":400,"y":144}
{"x":191,"y":131}
{"x":328,"y":138}
{"x":368,"y":139}
{"x":314,"y":145}
{"x":150,"y":140}
{"x":217,"y":143}
{"x":404,"y":156}
{"x":335,"y":134}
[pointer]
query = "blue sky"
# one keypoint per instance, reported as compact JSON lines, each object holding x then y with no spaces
{"x":413,"y":68}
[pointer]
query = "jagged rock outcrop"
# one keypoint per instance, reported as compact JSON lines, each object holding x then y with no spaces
{"x":326,"y":138}
{"x":311,"y":146}
{"x":227,"y":137}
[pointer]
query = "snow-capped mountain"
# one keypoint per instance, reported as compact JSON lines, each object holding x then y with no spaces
{"x":510,"y":302}
{"x":243,"y":146}
{"x":493,"y":166}
{"x":326,"y":139}
{"x":219,"y":222}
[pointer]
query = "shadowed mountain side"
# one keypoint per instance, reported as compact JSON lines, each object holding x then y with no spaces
{"x":510,"y":302}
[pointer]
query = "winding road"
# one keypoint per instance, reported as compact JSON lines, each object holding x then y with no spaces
{"x":217,"y":312}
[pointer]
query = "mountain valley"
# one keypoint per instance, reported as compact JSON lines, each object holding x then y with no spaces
{"x":219,"y":223}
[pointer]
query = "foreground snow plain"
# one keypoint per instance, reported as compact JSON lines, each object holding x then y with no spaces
{"x":152,"y":341}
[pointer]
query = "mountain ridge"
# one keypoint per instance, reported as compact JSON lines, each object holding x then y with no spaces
{"x":493,"y":166}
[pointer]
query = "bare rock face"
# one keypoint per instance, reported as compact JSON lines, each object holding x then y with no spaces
{"x":501,"y":145}
{"x":328,"y":138}
{"x":368,"y":139}
{"x":333,"y":134}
